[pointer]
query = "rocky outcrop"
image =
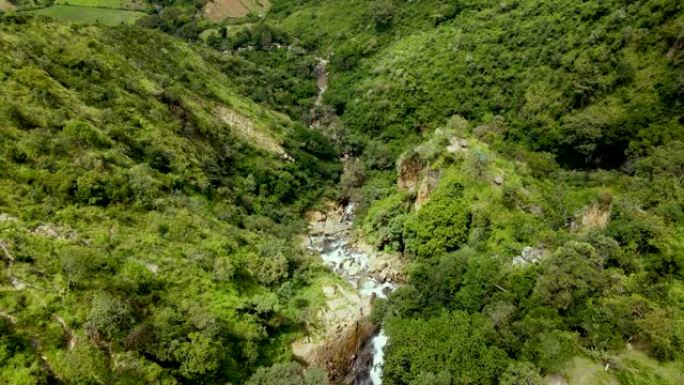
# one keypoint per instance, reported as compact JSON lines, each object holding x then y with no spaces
{"x":427,"y":185}
{"x":328,"y":224}
{"x":529,"y":255}
{"x":410,"y":168}
{"x":342,"y":326}
{"x":457,"y":145}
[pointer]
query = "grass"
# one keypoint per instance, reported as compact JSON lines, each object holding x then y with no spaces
{"x":94,"y":3}
{"x":89,"y":15}
{"x":218,"y":10}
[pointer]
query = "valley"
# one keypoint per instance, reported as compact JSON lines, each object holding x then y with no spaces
{"x":363,"y":192}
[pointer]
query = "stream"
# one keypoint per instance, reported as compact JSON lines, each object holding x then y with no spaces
{"x":338,"y":251}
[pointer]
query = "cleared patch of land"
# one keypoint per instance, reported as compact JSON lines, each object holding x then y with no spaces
{"x":79,"y":14}
{"x":218,"y":10}
{"x":6,"y":5}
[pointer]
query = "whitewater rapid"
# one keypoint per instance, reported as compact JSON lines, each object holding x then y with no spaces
{"x":338,"y":252}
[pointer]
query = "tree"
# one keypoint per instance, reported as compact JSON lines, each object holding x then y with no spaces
{"x":200,"y":357}
{"x":460,"y":344}
{"x":383,"y":12}
{"x":441,"y":225}
{"x":109,"y":316}
{"x":573,"y":273}
{"x":521,"y":373}
{"x":288,"y":374}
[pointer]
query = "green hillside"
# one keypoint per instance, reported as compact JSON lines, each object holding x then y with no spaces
{"x":89,"y":14}
{"x":570,"y":117}
{"x":525,"y":159}
{"x":138,"y":227}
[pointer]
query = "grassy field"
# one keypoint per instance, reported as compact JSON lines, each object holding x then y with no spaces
{"x":81,"y":14}
{"x":94,"y":3}
{"x":218,"y":10}
{"x":132,"y":5}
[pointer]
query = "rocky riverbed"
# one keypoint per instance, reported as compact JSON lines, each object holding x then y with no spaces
{"x":349,"y":346}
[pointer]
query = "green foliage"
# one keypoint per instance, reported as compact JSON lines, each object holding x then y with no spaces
{"x":383,"y":12}
{"x":288,"y":374}
{"x":591,"y":84}
{"x":574,"y":272}
{"x":140,"y":217}
{"x":454,"y":342}
{"x":519,"y":373}
{"x":89,"y":15}
{"x":440,"y":226}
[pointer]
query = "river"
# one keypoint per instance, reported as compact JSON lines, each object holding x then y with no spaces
{"x":339,"y":252}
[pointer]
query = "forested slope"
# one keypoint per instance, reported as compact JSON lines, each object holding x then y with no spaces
{"x":525,"y":158}
{"x":147,"y":211}
{"x":541,"y":217}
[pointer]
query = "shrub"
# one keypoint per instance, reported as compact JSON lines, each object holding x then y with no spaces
{"x":440,"y":226}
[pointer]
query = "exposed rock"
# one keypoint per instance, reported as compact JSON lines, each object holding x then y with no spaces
{"x":377,"y":266}
{"x":18,"y":284}
{"x":69,"y":334}
{"x":535,"y":210}
{"x":341,"y":327}
{"x":499,"y":180}
{"x":316,"y":216}
{"x":457,"y":145}
{"x":556,"y":379}
{"x":410,"y":167}
{"x":243,"y":127}
{"x":8,"y":317}
{"x":427,"y":185}
{"x":329,"y":291}
{"x":529,"y":255}
{"x":7,"y":218}
{"x":52,"y":231}
{"x":354,"y":269}
{"x":151,"y":267}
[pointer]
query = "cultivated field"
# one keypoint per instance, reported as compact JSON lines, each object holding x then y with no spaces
{"x":81,"y":14}
{"x":218,"y":10}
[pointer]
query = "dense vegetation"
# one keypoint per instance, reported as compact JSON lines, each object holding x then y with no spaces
{"x":148,"y":233}
{"x":143,"y":238}
{"x":572,"y":115}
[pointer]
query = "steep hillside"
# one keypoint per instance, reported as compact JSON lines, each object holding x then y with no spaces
{"x":146,"y":211}
{"x":593,"y":83}
{"x":529,"y":262}
{"x":521,"y":161}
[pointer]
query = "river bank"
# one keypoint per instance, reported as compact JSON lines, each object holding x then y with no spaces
{"x":346,"y":343}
